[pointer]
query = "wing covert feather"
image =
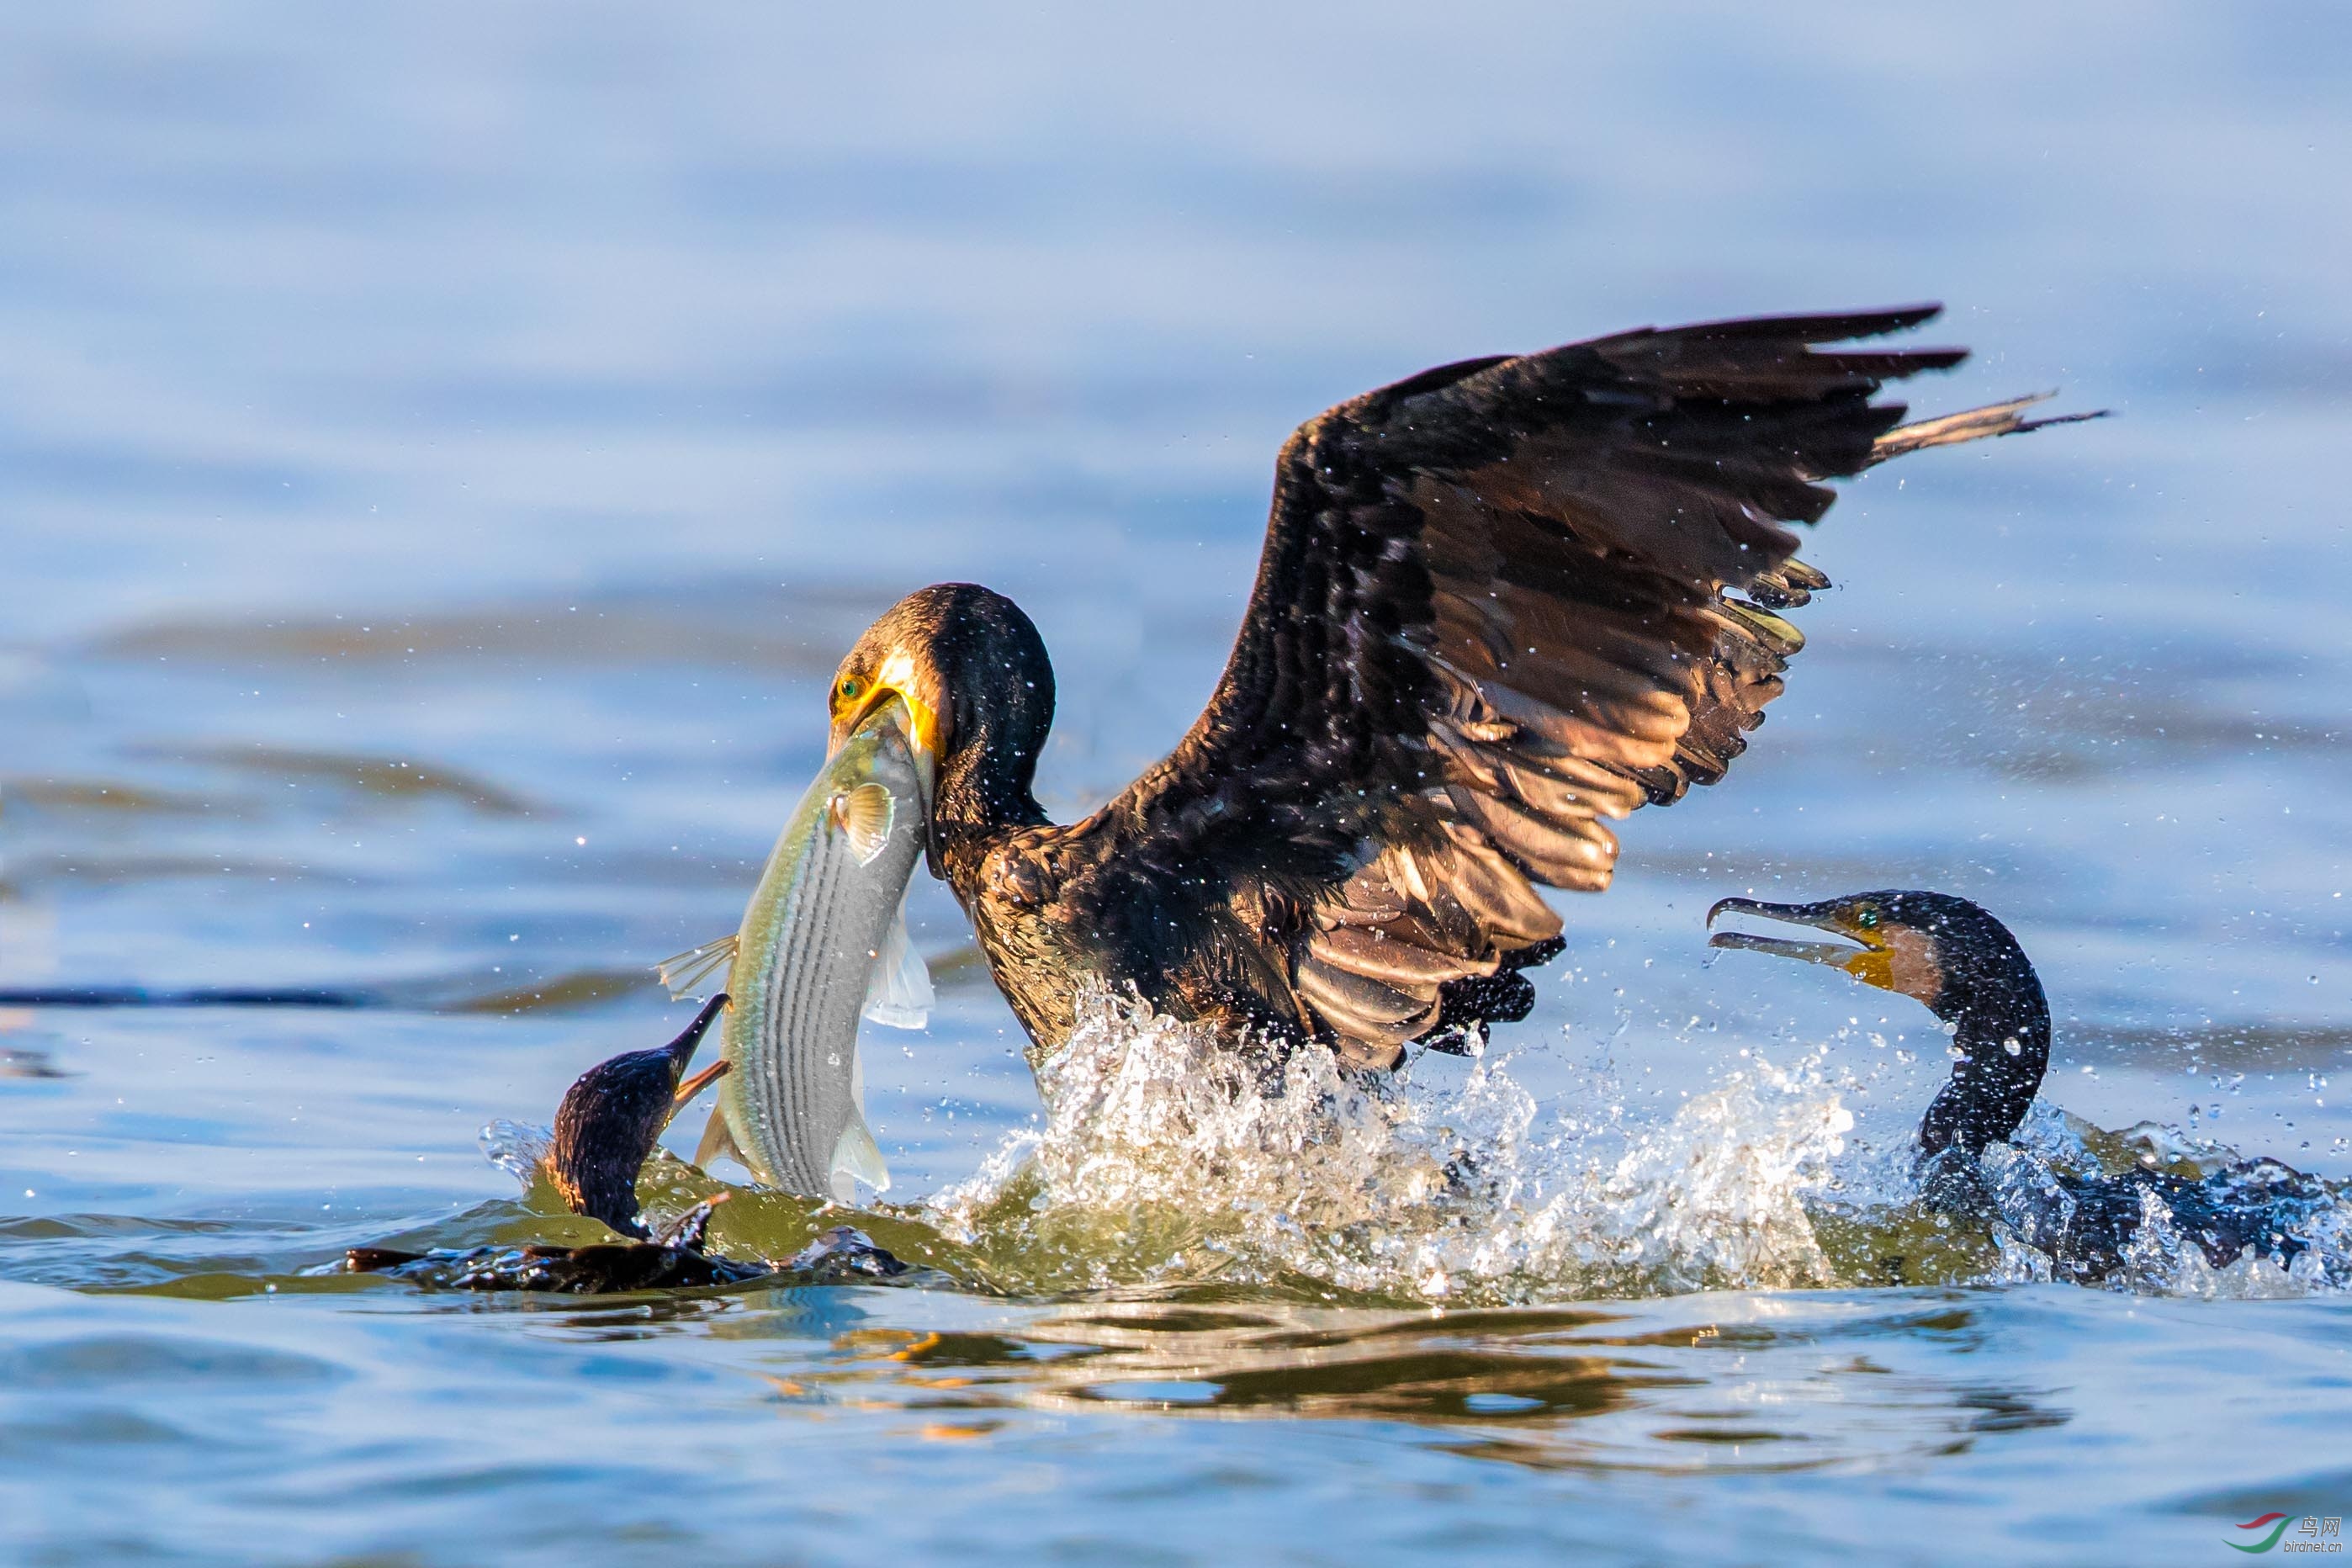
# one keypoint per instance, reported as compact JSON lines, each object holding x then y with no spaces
{"x":1500,"y":605}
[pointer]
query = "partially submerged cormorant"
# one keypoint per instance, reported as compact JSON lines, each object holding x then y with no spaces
{"x":611,"y":1118}
{"x":675,"y":1260}
{"x":1965,"y":967}
{"x":1498,"y":602}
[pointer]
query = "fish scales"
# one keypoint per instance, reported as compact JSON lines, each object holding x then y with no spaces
{"x":811,"y":937}
{"x":836,"y":975}
{"x":811,"y":975}
{"x":800,"y":979}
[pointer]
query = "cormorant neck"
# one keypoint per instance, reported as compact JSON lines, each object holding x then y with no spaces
{"x":983,"y":792}
{"x":2002,"y":1035}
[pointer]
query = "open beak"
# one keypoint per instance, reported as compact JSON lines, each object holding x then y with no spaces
{"x":683,"y":1049}
{"x":697,"y":1083}
{"x":1861,"y":954}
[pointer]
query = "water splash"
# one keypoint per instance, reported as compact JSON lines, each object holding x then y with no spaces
{"x":518,"y":1148}
{"x":1169,"y":1160}
{"x":2163,"y":1256}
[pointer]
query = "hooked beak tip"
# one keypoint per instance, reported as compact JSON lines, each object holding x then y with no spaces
{"x":1839,"y":954}
{"x":690,"y":1037}
{"x":1737,"y":906}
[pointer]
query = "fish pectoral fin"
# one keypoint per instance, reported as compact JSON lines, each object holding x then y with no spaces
{"x":855,"y":1154}
{"x":717,"y":1139}
{"x":864,"y":816}
{"x":684,"y":972}
{"x":898,"y":989}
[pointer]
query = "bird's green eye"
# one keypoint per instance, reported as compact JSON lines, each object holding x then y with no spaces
{"x":850,"y":688}
{"x":1866,"y":917}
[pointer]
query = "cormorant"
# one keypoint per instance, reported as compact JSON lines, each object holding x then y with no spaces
{"x":1498,"y":603}
{"x":675,"y":1260}
{"x":605,"y":1129}
{"x":612,"y":1117}
{"x":1967,"y":968}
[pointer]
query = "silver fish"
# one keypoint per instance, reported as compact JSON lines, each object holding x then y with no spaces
{"x":824,"y":939}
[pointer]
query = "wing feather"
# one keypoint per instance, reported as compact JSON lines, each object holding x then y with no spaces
{"x":1500,"y":604}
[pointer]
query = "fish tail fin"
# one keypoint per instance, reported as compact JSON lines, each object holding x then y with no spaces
{"x":898,"y":990}
{"x":1971,"y":425}
{"x":858,"y":1158}
{"x":684,"y":972}
{"x":717,"y":1139}
{"x":865,"y":816}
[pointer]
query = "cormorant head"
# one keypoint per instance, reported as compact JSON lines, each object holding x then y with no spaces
{"x":1962,"y":963}
{"x":1946,"y":952}
{"x":612,"y":1118}
{"x":977,"y":690}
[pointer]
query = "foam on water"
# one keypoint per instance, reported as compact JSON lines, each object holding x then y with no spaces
{"x":2162,"y":1259}
{"x":1167,"y":1159}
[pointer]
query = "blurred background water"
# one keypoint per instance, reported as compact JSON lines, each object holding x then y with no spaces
{"x":442,"y":452}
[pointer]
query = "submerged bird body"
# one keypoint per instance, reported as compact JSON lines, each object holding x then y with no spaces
{"x":1966,"y":967}
{"x":1499,"y":603}
{"x":675,"y":1260}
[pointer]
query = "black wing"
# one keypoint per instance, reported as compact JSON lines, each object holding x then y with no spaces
{"x":1499,"y":602}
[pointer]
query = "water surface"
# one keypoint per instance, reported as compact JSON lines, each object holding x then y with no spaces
{"x":443,"y":454}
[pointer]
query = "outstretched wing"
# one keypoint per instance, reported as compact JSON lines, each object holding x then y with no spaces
{"x":1500,"y":603}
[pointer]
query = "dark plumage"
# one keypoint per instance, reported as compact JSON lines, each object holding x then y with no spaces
{"x":605,"y":1129}
{"x":1964,"y":966}
{"x":613,"y":1116}
{"x":673,"y":1261}
{"x":1499,"y":602}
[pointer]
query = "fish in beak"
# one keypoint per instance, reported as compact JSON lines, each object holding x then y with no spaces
{"x":893,"y":704}
{"x":823,"y":943}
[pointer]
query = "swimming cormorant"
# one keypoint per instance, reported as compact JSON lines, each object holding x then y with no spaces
{"x":1499,"y":602}
{"x":613,"y":1114}
{"x":605,"y":1129}
{"x":1966,"y":967}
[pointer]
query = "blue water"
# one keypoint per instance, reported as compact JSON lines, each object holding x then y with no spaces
{"x":442,"y":452}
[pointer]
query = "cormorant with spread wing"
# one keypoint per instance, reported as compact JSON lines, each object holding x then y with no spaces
{"x":1499,"y":602}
